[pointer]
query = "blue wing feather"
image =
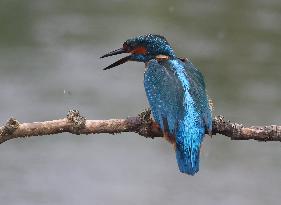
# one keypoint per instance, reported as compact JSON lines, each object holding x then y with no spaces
{"x":176,"y":92}
{"x":199,"y":93}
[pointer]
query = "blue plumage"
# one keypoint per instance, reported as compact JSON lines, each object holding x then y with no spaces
{"x":176,"y":91}
{"x":176,"y":94}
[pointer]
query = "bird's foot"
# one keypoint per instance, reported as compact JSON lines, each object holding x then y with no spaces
{"x":171,"y":139}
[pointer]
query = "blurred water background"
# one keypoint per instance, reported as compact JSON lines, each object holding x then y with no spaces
{"x":49,"y":63}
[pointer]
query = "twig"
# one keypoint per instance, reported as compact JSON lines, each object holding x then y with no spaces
{"x":142,"y":124}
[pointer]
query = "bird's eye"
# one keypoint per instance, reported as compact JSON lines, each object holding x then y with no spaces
{"x":126,"y":46}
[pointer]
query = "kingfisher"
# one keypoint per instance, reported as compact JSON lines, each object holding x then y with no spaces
{"x":176,"y":93}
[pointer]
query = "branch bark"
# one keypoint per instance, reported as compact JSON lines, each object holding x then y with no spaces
{"x":142,"y":124}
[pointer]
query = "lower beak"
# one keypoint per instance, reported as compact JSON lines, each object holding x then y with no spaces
{"x":119,"y":62}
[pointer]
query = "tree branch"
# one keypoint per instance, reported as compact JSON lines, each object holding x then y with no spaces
{"x":142,"y":124}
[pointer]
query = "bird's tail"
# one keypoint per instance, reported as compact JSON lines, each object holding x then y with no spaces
{"x":188,"y":143}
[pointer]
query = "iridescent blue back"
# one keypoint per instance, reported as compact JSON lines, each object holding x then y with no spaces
{"x":176,"y":92}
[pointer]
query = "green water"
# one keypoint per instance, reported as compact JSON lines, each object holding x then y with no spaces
{"x":49,"y":63}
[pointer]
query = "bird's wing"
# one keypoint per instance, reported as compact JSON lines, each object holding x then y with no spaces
{"x":198,"y":93}
{"x":165,"y":94}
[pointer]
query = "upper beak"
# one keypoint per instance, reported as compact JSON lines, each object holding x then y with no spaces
{"x":115,"y":52}
{"x":119,"y":62}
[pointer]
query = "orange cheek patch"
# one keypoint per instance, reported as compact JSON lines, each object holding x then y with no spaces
{"x":139,"y":50}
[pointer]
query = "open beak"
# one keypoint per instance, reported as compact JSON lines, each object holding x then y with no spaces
{"x":119,"y":62}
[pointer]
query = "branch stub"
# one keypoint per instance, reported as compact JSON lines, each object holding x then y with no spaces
{"x":11,"y":125}
{"x":77,"y":120}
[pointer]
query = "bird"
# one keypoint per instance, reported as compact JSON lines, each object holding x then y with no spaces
{"x":176,"y":94}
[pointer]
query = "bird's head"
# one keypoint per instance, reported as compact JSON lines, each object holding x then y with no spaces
{"x":142,"y":49}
